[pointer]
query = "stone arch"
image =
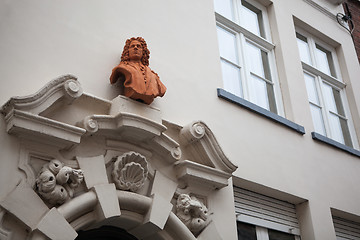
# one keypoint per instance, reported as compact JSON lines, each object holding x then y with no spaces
{"x":79,"y":212}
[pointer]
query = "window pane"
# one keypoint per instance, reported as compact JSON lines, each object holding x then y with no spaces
{"x":329,"y":98}
{"x":346,"y":132}
{"x":224,"y":7}
{"x":227,"y":45}
{"x":255,"y":59}
{"x":317,"y":119}
{"x":276,"y":235}
{"x":266,"y":65}
{"x":271,"y":98}
{"x":251,"y":19}
{"x":338,"y":102}
{"x":324,"y":61}
{"x":335,"y":128}
{"x":338,"y":126}
{"x":259,"y":92}
{"x":231,"y":78}
{"x":246,"y":231}
{"x":311,"y":89}
{"x":304,"y":49}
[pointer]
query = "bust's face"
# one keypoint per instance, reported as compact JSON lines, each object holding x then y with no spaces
{"x":135,"y":50}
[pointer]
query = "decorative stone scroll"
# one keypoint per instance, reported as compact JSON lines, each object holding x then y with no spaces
{"x":192,"y":212}
{"x":55,"y":182}
{"x":130,"y":171}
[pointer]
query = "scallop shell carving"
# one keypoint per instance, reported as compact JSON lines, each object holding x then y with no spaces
{"x":130,"y":171}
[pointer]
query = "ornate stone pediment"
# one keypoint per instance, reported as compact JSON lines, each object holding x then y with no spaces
{"x":113,"y":155}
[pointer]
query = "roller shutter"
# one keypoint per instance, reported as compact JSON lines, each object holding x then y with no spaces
{"x":261,"y":210}
{"x":346,"y":229}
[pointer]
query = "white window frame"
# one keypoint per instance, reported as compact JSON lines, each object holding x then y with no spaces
{"x":264,"y":43}
{"x":263,"y":234}
{"x":335,"y":82}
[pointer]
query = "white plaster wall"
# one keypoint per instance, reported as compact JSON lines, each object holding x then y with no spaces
{"x":41,"y":40}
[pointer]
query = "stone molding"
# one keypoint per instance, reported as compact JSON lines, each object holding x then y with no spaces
{"x":323,"y":10}
{"x":23,"y":114}
{"x":130,"y":203}
{"x":204,"y":148}
{"x":197,"y":176}
{"x":134,"y":143}
{"x":65,"y":88}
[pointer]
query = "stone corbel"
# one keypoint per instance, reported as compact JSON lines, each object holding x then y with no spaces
{"x":200,"y":177}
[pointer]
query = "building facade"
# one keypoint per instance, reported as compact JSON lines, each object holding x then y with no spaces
{"x":256,"y":137}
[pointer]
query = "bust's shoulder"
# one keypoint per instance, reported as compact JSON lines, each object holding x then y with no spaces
{"x":157,"y":76}
{"x":125,"y":65}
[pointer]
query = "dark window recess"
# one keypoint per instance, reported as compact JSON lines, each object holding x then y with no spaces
{"x":275,"y":235}
{"x":246,"y":231}
{"x":105,"y":232}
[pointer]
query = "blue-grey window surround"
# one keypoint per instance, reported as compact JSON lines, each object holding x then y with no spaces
{"x":334,"y":143}
{"x":259,"y":110}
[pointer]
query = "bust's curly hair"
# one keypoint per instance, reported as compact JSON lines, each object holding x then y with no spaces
{"x":146,"y":53}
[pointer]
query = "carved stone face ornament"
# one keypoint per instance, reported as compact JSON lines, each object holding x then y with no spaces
{"x":192,"y":212}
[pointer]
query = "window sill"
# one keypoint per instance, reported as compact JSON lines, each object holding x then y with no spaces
{"x":259,"y":110}
{"x":334,"y":143}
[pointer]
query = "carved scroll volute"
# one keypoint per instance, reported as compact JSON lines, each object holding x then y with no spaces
{"x":90,"y":124}
{"x":130,"y":171}
{"x":56,"y":182}
{"x":192,"y":212}
{"x":192,"y":133}
{"x":73,"y":89}
{"x":176,"y":153}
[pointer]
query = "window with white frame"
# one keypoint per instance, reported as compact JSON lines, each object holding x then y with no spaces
{"x":246,"y":52}
{"x":325,"y":88}
{"x":247,"y":231}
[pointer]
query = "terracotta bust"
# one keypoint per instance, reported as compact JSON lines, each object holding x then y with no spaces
{"x":141,"y":83}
